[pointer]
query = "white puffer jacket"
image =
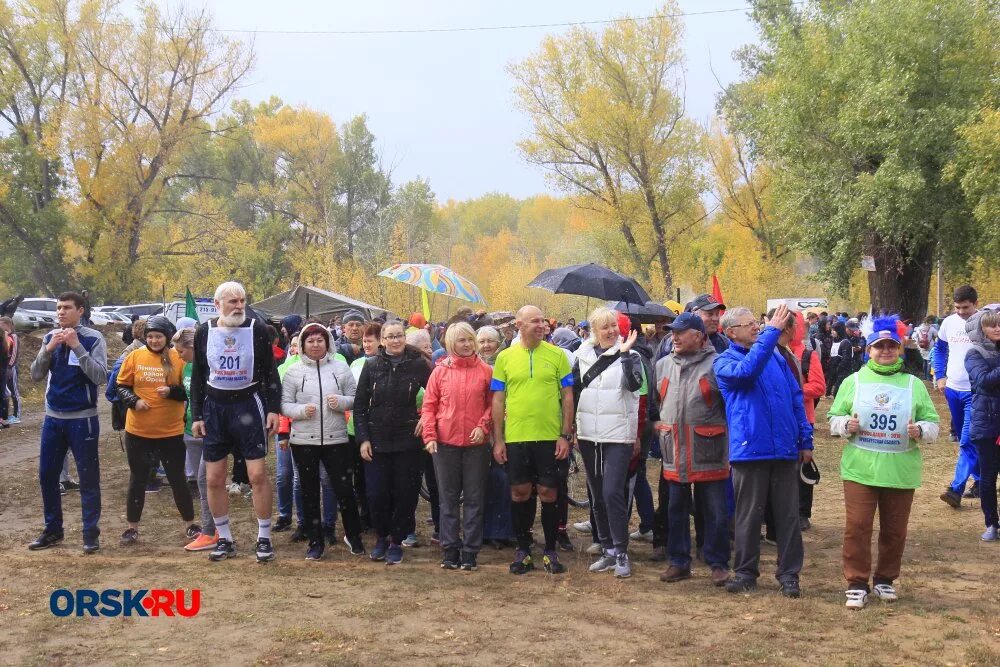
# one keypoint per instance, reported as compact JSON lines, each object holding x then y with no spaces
{"x":312,"y":382}
{"x":608,"y":408}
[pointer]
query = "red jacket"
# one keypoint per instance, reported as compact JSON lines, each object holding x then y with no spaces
{"x":457,"y":400}
{"x":814,"y":386}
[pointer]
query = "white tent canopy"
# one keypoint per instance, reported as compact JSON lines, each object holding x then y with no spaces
{"x":310,"y":301}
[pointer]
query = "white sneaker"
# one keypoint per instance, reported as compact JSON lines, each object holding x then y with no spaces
{"x":14,"y":420}
{"x":640,"y":536}
{"x":604,"y":563}
{"x":990,"y":535}
{"x":583,"y":527}
{"x":623,"y":569}
{"x":234,"y":489}
{"x":856,"y":599}
{"x":885,"y":592}
{"x":595,"y":549}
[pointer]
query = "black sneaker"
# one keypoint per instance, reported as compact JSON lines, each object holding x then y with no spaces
{"x":741,"y":585}
{"x":91,"y":545}
{"x":790,"y":589}
{"x":381,"y":546}
{"x":563,"y":541}
{"x":223,"y":549}
{"x":522,"y":563}
{"x":450,"y":560}
{"x":45,"y":540}
{"x":129,"y":537}
{"x":355,"y":544}
{"x":973,"y":491}
{"x":62,"y":489}
{"x":315,"y":551}
{"x":299,"y":534}
{"x":154,"y":485}
{"x":804,"y":524}
{"x":193,"y":531}
{"x":265,"y":552}
{"x":70,"y":485}
{"x":330,"y":534}
{"x":952,"y":498}
{"x":469,"y":563}
{"x":550,"y":561}
{"x":282,"y":524}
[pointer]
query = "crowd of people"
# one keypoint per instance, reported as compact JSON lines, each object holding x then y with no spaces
{"x":362,"y":412}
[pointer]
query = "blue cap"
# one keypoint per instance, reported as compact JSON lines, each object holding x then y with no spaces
{"x":686,"y":321}
{"x":584,"y":324}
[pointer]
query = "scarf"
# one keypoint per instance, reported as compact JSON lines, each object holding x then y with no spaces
{"x":891,"y":369}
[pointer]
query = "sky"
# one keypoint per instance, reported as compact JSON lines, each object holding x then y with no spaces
{"x":441,"y":104}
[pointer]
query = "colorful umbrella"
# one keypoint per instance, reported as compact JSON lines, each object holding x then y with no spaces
{"x":436,"y":279}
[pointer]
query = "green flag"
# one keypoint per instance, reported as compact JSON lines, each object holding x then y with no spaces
{"x":190,"y":307}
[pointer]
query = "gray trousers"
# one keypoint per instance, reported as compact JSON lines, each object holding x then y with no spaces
{"x":607,"y":479}
{"x":207,"y":522}
{"x":192,"y":457}
{"x":461,"y":476}
{"x":754,"y":481}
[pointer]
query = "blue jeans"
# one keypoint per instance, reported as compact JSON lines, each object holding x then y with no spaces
{"x":289,"y":489}
{"x":711,"y":498}
{"x":989,"y":462}
{"x":960,"y":405}
{"x":79,"y":436}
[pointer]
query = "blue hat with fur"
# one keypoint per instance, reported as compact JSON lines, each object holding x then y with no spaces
{"x":884,"y":327}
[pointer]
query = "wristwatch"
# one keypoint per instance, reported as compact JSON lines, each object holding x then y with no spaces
{"x":568,"y":437}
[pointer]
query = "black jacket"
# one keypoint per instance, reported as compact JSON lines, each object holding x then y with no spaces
{"x":385,"y":406}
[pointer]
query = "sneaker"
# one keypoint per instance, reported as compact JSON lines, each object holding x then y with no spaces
{"x":282,"y":524}
{"x":550,"y":561}
{"x":202,"y":543}
{"x":595,"y":549}
{"x":330,"y":535}
{"x":603,"y":564}
{"x":804,"y":524}
{"x":129,"y":537}
{"x":435,"y":539}
{"x":265,"y":552}
{"x":381,"y":546}
{"x":623,"y":568}
{"x":769,"y":540}
{"x":990,"y":535}
{"x":154,"y":485}
{"x":469,"y":563}
{"x":62,"y":489}
{"x":410,"y":540}
{"x":952,"y":498}
{"x":640,"y":536}
{"x":563,"y":541}
{"x":790,"y":589}
{"x":91,"y":545}
{"x":451,"y":560}
{"x":676,"y":573}
{"x":973,"y":491}
{"x":355,"y":544}
{"x":719,"y":576}
{"x":315,"y":551}
{"x":659,"y":555}
{"x":394,"y":555}
{"x":885,"y":592}
{"x":223,"y":549}
{"x":299,"y":534}
{"x":246,"y":490}
{"x":45,"y":540}
{"x":857,"y":598}
{"x":70,"y":485}
{"x":741,"y":585}
{"x":522,"y":563}
{"x":583,"y":527}
{"x":193,"y":531}
{"x":13,"y":420}
{"x":233,"y":489}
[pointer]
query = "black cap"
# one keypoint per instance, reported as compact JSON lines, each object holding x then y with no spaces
{"x":809,"y":472}
{"x":704,"y":302}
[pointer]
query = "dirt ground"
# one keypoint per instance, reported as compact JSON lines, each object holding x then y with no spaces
{"x":347,"y":610}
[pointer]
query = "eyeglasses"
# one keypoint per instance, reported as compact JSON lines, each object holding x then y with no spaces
{"x":753,"y":325}
{"x":395,"y":337}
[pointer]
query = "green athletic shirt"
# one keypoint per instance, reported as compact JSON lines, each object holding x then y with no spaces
{"x":186,"y":381}
{"x":533,"y":381}
{"x":884,"y":469}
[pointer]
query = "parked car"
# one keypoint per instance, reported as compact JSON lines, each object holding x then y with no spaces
{"x":206,"y":310}
{"x":143,"y":310}
{"x":45,"y":309}
{"x":29,"y":321}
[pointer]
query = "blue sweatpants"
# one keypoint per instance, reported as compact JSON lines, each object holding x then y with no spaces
{"x":79,"y":436}
{"x":960,"y":405}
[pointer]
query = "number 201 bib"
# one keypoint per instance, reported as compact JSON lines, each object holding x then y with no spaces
{"x":883,"y":412}
{"x":230,"y":357}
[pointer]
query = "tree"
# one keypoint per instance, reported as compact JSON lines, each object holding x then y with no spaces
{"x":858,"y":106}
{"x":608,"y":116}
{"x":364,"y":186}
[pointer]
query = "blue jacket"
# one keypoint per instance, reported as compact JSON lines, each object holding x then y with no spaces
{"x":73,"y":375}
{"x":764,"y":409}
{"x":982,"y":362}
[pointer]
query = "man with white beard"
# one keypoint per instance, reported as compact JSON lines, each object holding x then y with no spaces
{"x":235,"y":400}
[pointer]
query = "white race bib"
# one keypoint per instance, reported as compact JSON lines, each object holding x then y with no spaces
{"x":883,"y":412}
{"x":73,"y":360}
{"x":230,"y":357}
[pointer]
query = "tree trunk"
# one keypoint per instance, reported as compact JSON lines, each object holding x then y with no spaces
{"x":901,"y":279}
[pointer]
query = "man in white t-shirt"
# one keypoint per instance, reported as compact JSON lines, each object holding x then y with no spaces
{"x":952,"y":378}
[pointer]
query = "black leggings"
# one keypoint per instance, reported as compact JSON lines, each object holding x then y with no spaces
{"x":339,"y":463}
{"x":142,"y":455}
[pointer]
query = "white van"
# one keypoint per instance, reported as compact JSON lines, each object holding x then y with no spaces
{"x":206,"y":310}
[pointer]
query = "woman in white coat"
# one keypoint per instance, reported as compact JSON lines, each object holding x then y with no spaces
{"x":607,"y":377}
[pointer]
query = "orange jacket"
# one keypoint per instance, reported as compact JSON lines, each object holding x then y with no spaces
{"x":457,"y":400}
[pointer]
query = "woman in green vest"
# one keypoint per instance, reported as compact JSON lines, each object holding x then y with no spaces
{"x":884,"y":413}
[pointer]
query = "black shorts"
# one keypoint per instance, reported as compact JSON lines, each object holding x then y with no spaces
{"x":535,"y":462}
{"x":236,"y":428}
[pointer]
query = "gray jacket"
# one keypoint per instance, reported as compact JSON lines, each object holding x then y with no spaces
{"x":310,"y":382}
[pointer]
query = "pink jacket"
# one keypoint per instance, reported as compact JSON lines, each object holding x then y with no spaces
{"x":457,"y":400}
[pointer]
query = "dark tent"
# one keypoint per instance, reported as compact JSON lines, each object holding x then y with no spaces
{"x":314,"y":302}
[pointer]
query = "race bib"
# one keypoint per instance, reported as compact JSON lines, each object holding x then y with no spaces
{"x":73,"y":359}
{"x":883,"y":412}
{"x":230,"y":357}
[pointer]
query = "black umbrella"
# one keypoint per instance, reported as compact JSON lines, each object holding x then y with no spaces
{"x":648,"y":313}
{"x":593,"y":280}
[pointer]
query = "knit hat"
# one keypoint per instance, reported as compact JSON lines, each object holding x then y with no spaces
{"x":353,"y":315}
{"x":292,"y":324}
{"x":186,"y":323}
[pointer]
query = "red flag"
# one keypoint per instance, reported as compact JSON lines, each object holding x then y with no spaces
{"x":716,"y":290}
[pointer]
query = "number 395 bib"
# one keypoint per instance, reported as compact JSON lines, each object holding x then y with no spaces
{"x":230,"y":357}
{"x":883,"y":412}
